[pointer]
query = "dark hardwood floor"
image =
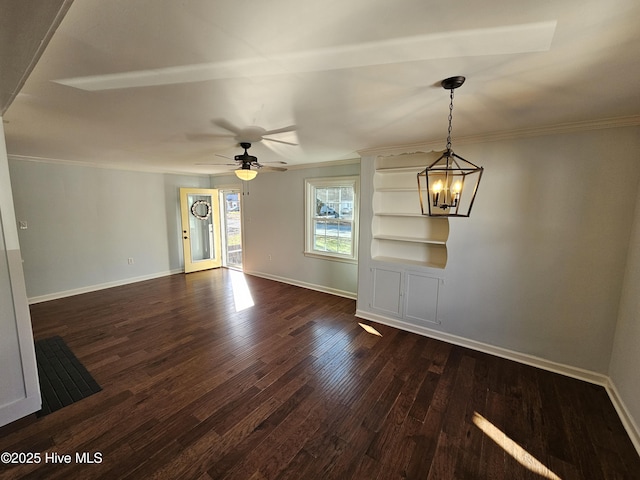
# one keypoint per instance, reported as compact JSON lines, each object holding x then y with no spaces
{"x":295,"y":388}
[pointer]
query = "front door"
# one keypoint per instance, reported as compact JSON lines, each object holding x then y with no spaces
{"x":200,"y":228}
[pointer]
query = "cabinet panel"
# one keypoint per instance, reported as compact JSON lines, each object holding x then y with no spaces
{"x":421,"y":296}
{"x":387,"y":291}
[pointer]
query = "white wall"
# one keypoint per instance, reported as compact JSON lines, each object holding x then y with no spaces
{"x":85,"y":222}
{"x":274,"y":226}
{"x":625,"y":359}
{"x":538,"y":267}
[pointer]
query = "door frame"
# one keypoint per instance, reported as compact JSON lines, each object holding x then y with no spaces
{"x":224,"y":227}
{"x":24,"y":396}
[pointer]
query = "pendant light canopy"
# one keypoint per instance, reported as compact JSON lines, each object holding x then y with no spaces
{"x":448,"y":186}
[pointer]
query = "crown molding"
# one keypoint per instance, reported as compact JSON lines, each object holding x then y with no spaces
{"x":331,"y":163}
{"x":558,"y":129}
{"x":79,"y":163}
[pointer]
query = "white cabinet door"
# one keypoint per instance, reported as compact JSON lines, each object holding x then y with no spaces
{"x":387,"y":291}
{"x":421,"y":298}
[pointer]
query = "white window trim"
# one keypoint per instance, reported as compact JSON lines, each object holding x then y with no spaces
{"x":309,"y":215}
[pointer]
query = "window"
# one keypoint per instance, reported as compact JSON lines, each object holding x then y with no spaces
{"x":331,"y":218}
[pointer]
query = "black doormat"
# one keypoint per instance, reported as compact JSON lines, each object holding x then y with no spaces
{"x":63,"y":379}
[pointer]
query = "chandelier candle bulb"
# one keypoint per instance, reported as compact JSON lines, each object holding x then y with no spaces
{"x":457,"y":188}
{"x":437,"y":188}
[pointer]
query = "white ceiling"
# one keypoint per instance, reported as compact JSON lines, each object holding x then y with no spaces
{"x":135,"y":83}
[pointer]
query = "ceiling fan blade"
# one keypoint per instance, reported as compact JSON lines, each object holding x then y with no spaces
{"x":223,"y":156}
{"x":222,"y":123}
{"x":198,"y":137}
{"x":279,"y":141}
{"x":290,"y":128}
{"x":216,"y":164}
{"x":277,"y":162}
{"x":273,"y":169}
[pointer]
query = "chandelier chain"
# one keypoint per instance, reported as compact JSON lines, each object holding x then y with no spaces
{"x":450,"y":119}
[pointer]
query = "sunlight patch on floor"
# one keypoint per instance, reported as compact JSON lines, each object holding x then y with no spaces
{"x":241,"y":294}
{"x":523,"y":457}
{"x":370,"y":329}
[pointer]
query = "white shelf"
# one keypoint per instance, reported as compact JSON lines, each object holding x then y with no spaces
{"x":396,"y":260}
{"x":397,"y":238}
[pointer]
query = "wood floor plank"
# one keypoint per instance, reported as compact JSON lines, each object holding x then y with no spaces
{"x":295,"y":388}
{"x":225,"y":466}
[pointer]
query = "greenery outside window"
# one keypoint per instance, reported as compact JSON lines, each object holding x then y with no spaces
{"x":331,"y":217}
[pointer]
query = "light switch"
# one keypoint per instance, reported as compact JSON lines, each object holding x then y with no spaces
{"x":22,"y":224}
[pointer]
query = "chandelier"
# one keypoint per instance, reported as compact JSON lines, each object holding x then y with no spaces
{"x":448,"y":186}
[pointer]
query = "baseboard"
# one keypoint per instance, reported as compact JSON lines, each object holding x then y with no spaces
{"x":101,"y":286}
{"x":578,"y":373}
{"x":625,"y":417}
{"x":310,"y":286}
{"x":126,"y":281}
{"x":567,"y":370}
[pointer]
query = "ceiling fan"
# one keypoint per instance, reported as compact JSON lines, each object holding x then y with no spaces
{"x":246,"y":162}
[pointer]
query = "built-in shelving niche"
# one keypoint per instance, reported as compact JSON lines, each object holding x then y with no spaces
{"x":401,"y":234}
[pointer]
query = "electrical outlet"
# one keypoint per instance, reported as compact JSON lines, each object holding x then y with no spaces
{"x":269,"y":257}
{"x":130,"y":261}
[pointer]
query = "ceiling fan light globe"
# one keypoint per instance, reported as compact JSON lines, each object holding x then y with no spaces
{"x":245,"y":174}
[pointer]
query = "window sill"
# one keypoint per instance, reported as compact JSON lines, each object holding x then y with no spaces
{"x":334,"y":258}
